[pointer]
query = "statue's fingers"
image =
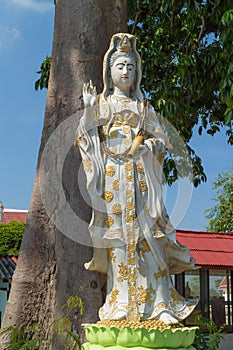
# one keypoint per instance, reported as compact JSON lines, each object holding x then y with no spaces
{"x":87,"y":87}
{"x":91,"y":84}
{"x":95,"y":92}
{"x":84,"y":91}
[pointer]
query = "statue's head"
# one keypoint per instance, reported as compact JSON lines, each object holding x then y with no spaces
{"x":122,"y":46}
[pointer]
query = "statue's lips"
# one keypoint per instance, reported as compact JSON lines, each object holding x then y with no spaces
{"x":125,"y":77}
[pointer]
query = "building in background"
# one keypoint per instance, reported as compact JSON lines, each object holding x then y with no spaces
{"x":212,"y":283}
{"x":9,"y":215}
{"x":8,"y":263}
{"x":7,"y":268}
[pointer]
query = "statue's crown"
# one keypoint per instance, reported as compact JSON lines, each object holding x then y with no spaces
{"x":125,"y":44}
{"x":123,"y":47}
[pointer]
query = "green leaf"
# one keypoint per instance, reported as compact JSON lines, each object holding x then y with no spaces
{"x":10,"y":237}
{"x":220,"y":216}
{"x":44,"y":72}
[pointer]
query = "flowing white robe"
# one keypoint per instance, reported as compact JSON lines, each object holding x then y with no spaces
{"x":133,"y":240}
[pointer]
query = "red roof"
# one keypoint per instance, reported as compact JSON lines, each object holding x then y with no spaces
{"x":10,"y":215}
{"x":210,"y":249}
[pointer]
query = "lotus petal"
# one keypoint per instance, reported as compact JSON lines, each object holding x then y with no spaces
{"x":156,"y":339}
{"x":139,"y":333}
{"x":91,"y":332}
{"x":189,"y":336}
{"x":128,"y":337}
{"x":106,"y":336}
{"x":146,"y":338}
{"x":167,"y":336}
{"x":176,"y":338}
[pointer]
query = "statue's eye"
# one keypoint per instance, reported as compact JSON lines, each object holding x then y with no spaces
{"x":120,"y":66}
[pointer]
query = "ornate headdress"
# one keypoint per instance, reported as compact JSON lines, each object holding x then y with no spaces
{"x":122,"y":44}
{"x":123,"y":48}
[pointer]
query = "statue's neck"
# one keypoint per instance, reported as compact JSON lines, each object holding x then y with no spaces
{"x":121,"y":93}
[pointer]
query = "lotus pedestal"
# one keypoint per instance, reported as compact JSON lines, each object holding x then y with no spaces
{"x":100,"y":337}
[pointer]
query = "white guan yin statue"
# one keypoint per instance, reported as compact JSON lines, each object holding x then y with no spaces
{"x":122,"y":145}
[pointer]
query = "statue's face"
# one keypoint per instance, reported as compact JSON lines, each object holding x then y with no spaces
{"x":123,"y":72}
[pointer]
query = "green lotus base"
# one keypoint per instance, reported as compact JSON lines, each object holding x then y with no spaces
{"x":113,"y":338}
{"x":88,"y":346}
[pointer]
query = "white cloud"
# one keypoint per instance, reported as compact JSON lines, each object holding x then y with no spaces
{"x":8,"y":34}
{"x":12,"y":32}
{"x":36,"y":5}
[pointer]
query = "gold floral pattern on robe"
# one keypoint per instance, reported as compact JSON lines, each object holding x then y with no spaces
{"x":130,"y":224}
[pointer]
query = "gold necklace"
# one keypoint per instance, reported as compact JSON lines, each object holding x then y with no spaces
{"x":141,"y":130}
{"x":122,"y":100}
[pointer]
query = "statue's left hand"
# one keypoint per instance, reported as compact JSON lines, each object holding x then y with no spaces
{"x":89,"y":94}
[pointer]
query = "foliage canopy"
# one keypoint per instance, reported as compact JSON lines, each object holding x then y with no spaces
{"x":10,"y":237}
{"x":220,"y":216}
{"x":187,"y":56}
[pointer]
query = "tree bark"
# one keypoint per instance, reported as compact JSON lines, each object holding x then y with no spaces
{"x":50,"y":267}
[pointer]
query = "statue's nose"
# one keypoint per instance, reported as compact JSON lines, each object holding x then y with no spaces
{"x":125,"y":70}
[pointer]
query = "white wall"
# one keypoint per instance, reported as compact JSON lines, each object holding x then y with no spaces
{"x":227,"y":342}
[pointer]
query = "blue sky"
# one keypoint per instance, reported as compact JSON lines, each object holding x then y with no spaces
{"x":26,"y":31}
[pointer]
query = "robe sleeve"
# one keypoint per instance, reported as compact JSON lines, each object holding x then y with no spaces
{"x":88,"y":142}
{"x":157,"y":143}
{"x":155,"y":130}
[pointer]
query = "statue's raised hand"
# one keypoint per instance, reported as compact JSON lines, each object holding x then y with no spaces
{"x":89,"y":94}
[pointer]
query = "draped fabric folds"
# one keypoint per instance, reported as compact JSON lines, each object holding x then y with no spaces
{"x":133,"y":239}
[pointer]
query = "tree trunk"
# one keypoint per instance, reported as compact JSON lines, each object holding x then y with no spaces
{"x":50,"y":267}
